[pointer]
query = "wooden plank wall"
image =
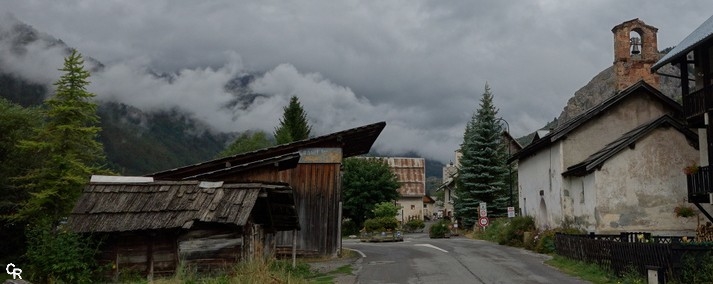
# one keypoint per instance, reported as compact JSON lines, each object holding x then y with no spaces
{"x":142,"y":254}
{"x":316,"y":188}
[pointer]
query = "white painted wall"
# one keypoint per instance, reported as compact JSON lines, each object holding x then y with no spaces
{"x":410,"y":207}
{"x":590,"y":137}
{"x":542,"y":173}
{"x":638,"y":189}
{"x":582,"y":202}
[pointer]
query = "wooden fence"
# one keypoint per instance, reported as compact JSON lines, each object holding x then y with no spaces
{"x":629,"y":251}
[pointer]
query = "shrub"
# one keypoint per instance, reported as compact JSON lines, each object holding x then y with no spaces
{"x":512,"y":233}
{"x":60,"y":256}
{"x":544,"y":241}
{"x":380,"y":224}
{"x":386,"y":209}
{"x":349,"y":227}
{"x":440,"y":229}
{"x":414,"y":225}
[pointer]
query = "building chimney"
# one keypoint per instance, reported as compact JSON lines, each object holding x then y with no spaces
{"x":635,"y":50}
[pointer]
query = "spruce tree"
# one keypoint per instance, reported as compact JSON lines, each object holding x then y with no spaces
{"x":482,"y":174}
{"x":293,"y":125}
{"x":66,"y":147}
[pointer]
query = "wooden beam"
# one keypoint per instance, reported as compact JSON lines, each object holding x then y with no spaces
{"x":710,"y":218}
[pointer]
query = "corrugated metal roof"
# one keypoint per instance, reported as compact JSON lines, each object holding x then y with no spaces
{"x":116,"y":207}
{"x":701,"y":34}
{"x":411,"y":173}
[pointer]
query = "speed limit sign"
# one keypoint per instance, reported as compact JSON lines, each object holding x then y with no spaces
{"x":483,"y":221}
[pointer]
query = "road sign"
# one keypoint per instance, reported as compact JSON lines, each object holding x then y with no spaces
{"x":483,"y":213}
{"x":483,"y":206}
{"x":483,"y":221}
{"x":511,"y":212}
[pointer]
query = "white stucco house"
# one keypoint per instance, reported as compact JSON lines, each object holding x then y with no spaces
{"x":616,"y":167}
{"x":411,"y":174}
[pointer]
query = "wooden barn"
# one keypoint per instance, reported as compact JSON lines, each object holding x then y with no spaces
{"x":316,"y":181}
{"x":150,"y":227}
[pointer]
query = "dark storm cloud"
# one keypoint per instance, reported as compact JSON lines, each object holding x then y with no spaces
{"x":419,"y":65}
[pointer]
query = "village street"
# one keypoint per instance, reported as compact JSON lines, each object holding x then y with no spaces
{"x":419,"y":259}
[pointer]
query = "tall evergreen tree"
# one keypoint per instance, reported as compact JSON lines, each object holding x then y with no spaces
{"x":293,"y":125}
{"x":482,"y":174}
{"x":66,"y":147}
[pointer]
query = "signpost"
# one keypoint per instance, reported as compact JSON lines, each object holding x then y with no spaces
{"x":511,"y":212}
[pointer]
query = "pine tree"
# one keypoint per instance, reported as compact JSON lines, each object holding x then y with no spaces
{"x":293,"y":125}
{"x":66,"y":147}
{"x":482,"y":175}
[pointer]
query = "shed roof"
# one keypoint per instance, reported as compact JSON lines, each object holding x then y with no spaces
{"x":702,"y":34}
{"x":411,"y":173}
{"x":355,"y":141}
{"x":627,"y":140}
{"x":563,"y":130}
{"x":130,"y":206}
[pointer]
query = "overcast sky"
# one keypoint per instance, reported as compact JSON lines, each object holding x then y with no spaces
{"x":421,"y":66}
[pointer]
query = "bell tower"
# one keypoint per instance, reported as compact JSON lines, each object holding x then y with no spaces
{"x":635,"y":51}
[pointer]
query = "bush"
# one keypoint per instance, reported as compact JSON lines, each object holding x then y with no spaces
{"x":349,"y":227}
{"x":440,"y":229}
{"x":414,"y":225}
{"x":544,"y":241}
{"x":513,"y":232}
{"x":386,"y":209}
{"x":60,"y":256}
{"x":380,"y":224}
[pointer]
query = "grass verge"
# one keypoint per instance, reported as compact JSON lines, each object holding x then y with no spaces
{"x":592,"y":272}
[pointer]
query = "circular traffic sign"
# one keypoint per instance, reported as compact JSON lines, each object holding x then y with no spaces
{"x":483,"y":213}
{"x":483,"y":221}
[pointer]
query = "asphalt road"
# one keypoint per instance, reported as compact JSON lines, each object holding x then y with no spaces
{"x":456,"y":260}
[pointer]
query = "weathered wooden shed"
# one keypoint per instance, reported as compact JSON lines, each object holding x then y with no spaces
{"x":316,"y":181}
{"x":149,"y":227}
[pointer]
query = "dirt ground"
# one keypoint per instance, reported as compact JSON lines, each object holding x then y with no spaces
{"x":327,"y":266}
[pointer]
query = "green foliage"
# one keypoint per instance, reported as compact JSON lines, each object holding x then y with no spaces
{"x":514,"y":230}
{"x":59,"y":256}
{"x":380,"y":224}
{"x":246,"y":142}
{"x":697,"y":267}
{"x":440,"y":229}
{"x":414,"y":225}
{"x":15,"y":123}
{"x":366,"y":182}
{"x":587,"y":271}
{"x":138,"y":143}
{"x":482,"y":175}
{"x":386,"y":209}
{"x":293,"y":125}
{"x":349,"y":228}
{"x":66,"y":145}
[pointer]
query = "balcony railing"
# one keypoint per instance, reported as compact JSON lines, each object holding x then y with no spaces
{"x":694,"y":104}
{"x":700,"y":183}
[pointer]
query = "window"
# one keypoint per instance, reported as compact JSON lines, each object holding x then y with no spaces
{"x":413,"y":207}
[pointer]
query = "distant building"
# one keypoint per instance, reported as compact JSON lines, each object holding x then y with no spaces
{"x":411,"y":173}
